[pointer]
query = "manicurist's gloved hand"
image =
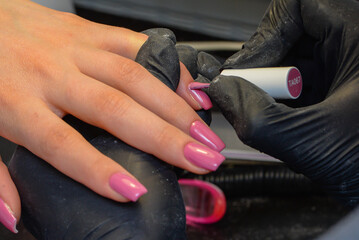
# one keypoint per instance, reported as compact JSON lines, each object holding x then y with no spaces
{"x":321,"y":138}
{"x":54,"y":64}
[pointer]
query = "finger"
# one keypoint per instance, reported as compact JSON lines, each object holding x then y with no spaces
{"x":208,"y":66}
{"x":117,"y":113}
{"x":10,"y":209}
{"x":161,"y":32}
{"x":196,"y":98}
{"x":119,"y":40}
{"x":129,"y":47}
{"x":190,"y":67}
{"x":280,"y":28}
{"x":135,"y":81}
{"x":50,"y":138}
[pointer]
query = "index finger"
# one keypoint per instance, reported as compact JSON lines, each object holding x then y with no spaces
{"x":50,"y":138}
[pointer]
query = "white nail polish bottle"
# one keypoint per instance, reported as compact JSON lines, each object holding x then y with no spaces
{"x":278,"y":82}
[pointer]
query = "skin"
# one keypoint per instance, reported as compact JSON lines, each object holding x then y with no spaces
{"x":52,"y":64}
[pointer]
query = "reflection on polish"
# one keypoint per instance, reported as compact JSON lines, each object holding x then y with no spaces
{"x":202,"y":133}
{"x":200,"y":96}
{"x":203,"y":157}
{"x":198,"y":85}
{"x":7,"y":217}
{"x":127,"y":186}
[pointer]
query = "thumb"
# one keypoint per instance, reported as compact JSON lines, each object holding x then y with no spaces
{"x":10,"y":208}
{"x":240,"y":102}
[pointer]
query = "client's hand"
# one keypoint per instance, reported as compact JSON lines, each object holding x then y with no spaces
{"x":54,"y":64}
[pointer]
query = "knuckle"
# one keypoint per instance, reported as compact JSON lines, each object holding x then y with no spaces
{"x":70,"y":88}
{"x":69,"y":17}
{"x":113,"y":104}
{"x":131,"y":72}
{"x":54,"y":141}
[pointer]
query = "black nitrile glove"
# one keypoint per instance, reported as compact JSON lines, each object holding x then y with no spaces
{"x":56,"y":207}
{"x":159,"y":56}
{"x":320,"y":140}
{"x":203,"y":68}
{"x":199,"y":64}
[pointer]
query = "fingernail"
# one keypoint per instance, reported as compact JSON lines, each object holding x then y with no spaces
{"x":198,"y":85}
{"x":202,"y":156}
{"x":7,"y":217}
{"x":200,"y":96}
{"x":127,"y":186}
{"x":202,"y":133}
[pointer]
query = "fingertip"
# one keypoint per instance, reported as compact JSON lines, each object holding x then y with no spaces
{"x":202,"y":99}
{"x":8,"y":194}
{"x":230,"y":61}
{"x":202,"y":156}
{"x":216,"y":85}
{"x":127,"y":186}
{"x":7,"y":217}
{"x":183,"y":89}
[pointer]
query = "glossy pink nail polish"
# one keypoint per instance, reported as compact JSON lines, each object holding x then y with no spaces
{"x":7,"y":218}
{"x":127,"y":186}
{"x":200,"y":96}
{"x":202,"y":156}
{"x":198,"y":85}
{"x":202,"y":133}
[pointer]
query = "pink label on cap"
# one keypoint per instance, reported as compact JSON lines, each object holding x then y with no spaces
{"x":294,"y":82}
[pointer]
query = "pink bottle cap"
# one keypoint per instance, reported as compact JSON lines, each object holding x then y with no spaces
{"x":294,"y":82}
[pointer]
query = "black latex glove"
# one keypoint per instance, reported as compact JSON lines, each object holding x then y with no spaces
{"x":203,"y":68}
{"x":56,"y":207}
{"x":199,"y":64}
{"x":321,"y":140}
{"x":159,"y":56}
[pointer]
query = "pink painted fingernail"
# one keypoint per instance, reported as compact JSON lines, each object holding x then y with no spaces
{"x":202,"y":133}
{"x":127,"y":186}
{"x":198,"y":85}
{"x":7,"y":217}
{"x":202,"y":156}
{"x":200,"y":96}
